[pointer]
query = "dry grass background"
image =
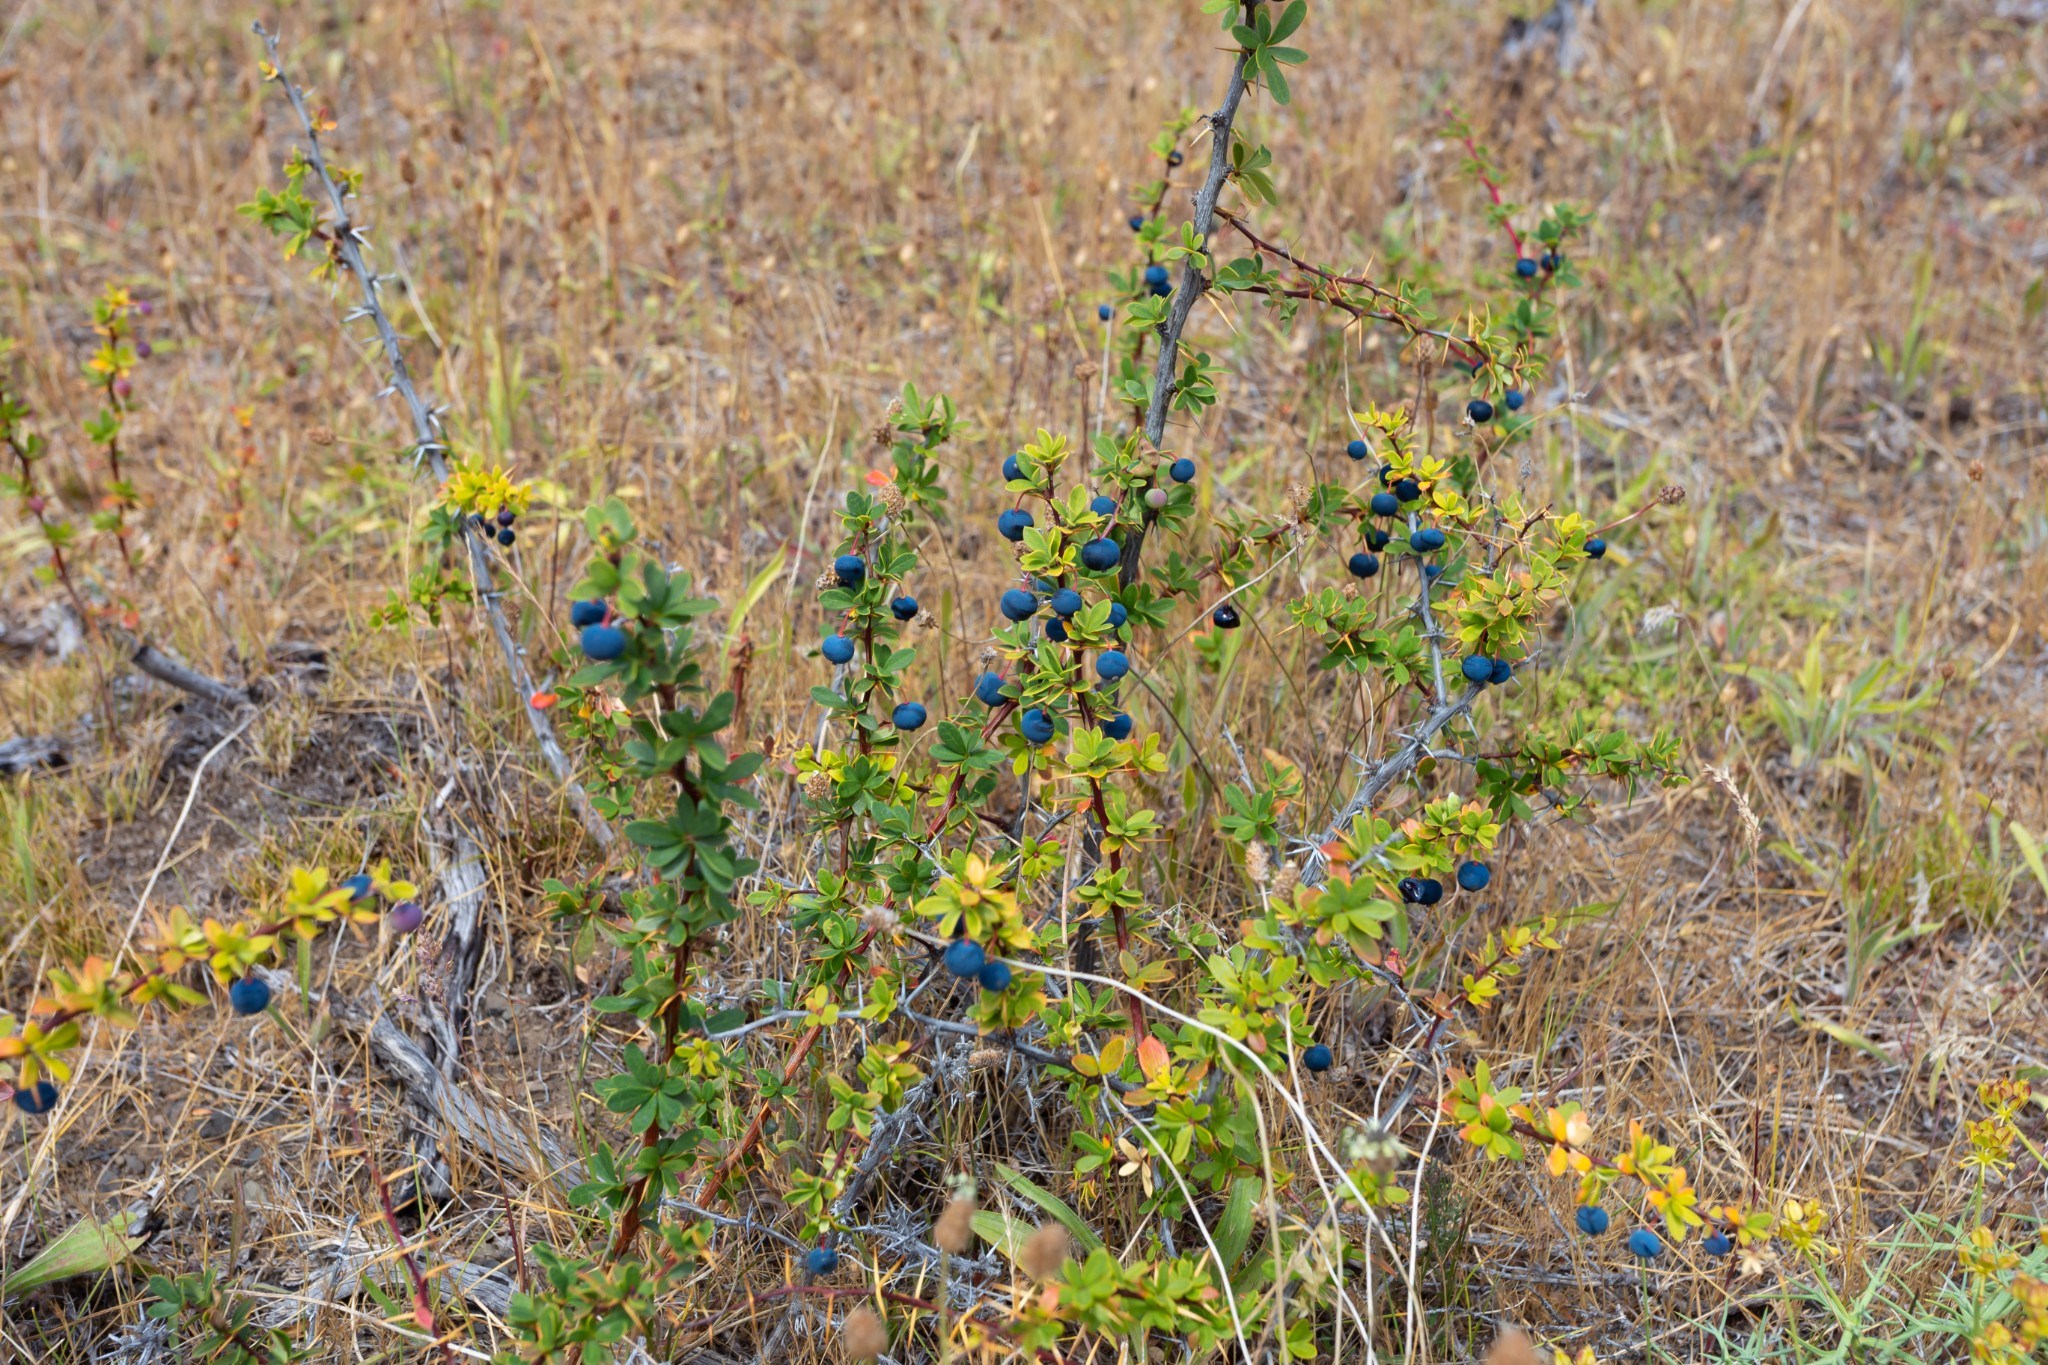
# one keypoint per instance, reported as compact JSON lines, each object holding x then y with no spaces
{"x":689,"y":253}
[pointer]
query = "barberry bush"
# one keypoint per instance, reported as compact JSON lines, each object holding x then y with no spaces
{"x":1002,"y":1002}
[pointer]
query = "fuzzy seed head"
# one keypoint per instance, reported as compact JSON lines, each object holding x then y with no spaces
{"x":878,"y":919}
{"x":892,"y":498}
{"x":827,"y":579}
{"x":320,"y":436}
{"x":1511,"y":1347}
{"x":1045,"y":1251}
{"x":1285,"y":879}
{"x":884,"y":434}
{"x":927,"y":621}
{"x":956,"y":1226}
{"x":985,"y":1059}
{"x":817,"y":785}
{"x":1671,"y":495}
{"x":1258,"y":864}
{"x":863,"y":1337}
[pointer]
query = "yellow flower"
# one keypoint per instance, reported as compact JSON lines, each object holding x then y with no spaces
{"x":1982,"y":1255}
{"x":1800,"y":1224}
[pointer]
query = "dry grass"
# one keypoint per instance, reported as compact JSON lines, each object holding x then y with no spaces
{"x":688,"y":254}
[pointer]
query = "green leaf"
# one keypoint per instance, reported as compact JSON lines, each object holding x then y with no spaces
{"x":1057,"y":1208}
{"x":88,"y":1247}
{"x":2030,"y":849}
{"x":1002,"y":1232}
{"x":1234,"y":1228}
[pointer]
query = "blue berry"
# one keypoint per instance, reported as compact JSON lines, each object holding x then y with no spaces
{"x":1102,"y":505}
{"x":1155,"y":274}
{"x":1037,"y":726}
{"x":1596,"y":548}
{"x":1117,"y":727}
{"x":603,"y":643}
{"x":1551,"y":260}
{"x":908,"y":715}
{"x":1645,"y":1245}
{"x":964,"y":957}
{"x":1411,"y":890}
{"x":1056,"y":631}
{"x":1317,"y":1057}
{"x":1432,"y":571}
{"x":1477,"y":668}
{"x":1526,"y":268}
{"x":1065,"y":602}
{"x":1101,"y":555}
{"x":583,"y":614}
{"x":1502,"y":672}
{"x":1480,"y":411}
{"x":1592,"y":1219}
{"x":1364,"y":565}
{"x":1357,"y":450}
{"x":1716,"y":1243}
{"x":904,"y":608}
{"x":358,"y":886}
{"x":1376,"y":540}
{"x":1225,"y":617}
{"x":1137,"y":222}
{"x":851,"y":570}
{"x":506,"y":535}
{"x":1112,"y":664}
{"x":1174,"y":158}
{"x":994,"y":976}
{"x":1019,"y":605}
{"x":1010,"y":525}
{"x":1012,"y":467}
{"x":249,"y":995}
{"x":821,"y":1260}
{"x":1430,"y":890}
{"x":1160,"y":290}
{"x":1514,"y":398}
{"x":988,"y":689}
{"x":837,"y":649}
{"x":1182,"y":470}
{"x":406,"y":916}
{"x":1386,"y":505}
{"x":1118,"y":614}
{"x":1103,"y":311}
{"x":1386,"y":475}
{"x":1474,"y":876}
{"x":1426,"y":539}
{"x":1407,"y":490}
{"x":39,"y":1098}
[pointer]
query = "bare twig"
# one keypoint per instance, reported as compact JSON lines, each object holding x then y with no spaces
{"x":1189,"y":290}
{"x":348,"y":240}
{"x":161,"y":666}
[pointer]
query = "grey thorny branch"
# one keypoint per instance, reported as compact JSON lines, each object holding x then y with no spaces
{"x":427,"y":444}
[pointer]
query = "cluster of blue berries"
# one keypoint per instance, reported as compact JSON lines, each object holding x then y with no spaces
{"x":964,"y":957}
{"x":404,"y":917}
{"x":601,"y":640}
{"x":498,"y":526}
{"x":851,"y":571}
{"x":1644,"y":1244}
{"x":1393,"y":500}
{"x":1472,"y":876}
{"x":1480,"y":670}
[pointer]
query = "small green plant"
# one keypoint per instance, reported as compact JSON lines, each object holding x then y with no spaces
{"x":216,"y":1328}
